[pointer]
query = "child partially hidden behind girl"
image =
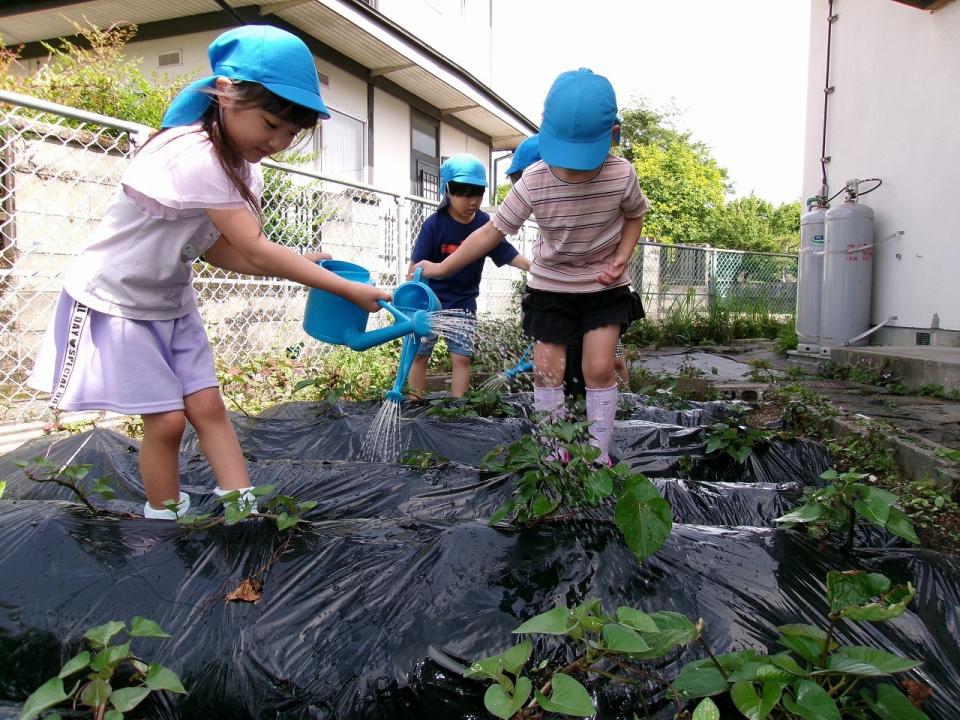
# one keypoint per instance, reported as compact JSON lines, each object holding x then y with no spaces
{"x":126,"y":335}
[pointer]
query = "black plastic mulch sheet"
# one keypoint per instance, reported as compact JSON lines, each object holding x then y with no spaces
{"x":399,"y":580}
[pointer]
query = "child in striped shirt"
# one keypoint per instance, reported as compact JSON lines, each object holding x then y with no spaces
{"x":590,"y":210}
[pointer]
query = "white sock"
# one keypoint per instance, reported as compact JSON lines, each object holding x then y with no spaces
{"x":245,"y":494}
{"x":549,"y":402}
{"x":601,"y":412}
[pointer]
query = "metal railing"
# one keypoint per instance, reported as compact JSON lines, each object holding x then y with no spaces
{"x":59,"y":168}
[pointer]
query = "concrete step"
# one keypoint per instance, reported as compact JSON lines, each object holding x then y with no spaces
{"x":917,"y":365}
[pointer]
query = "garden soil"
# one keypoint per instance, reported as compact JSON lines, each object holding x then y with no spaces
{"x":399,"y":581}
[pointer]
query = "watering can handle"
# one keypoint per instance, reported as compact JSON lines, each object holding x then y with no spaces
{"x":418,"y":275}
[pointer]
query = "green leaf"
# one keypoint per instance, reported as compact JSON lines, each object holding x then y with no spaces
{"x":552,"y":622}
{"x":504,"y":705}
{"x":142,"y":627}
{"x":759,"y":671}
{"x":714,"y":444}
{"x":636,"y":619}
{"x":672,"y":629}
{"x":542,"y":505}
{"x":516,"y":657}
{"x":126,"y":699}
{"x":854,"y":587}
{"x":808,"y":512}
{"x":812,"y":703}
{"x":694,"y":682}
{"x":874,"y":504}
{"x":285,"y":521}
{"x":807,"y":648}
{"x":101,"y":635}
{"x":891,"y":704}
{"x":77,"y":662}
{"x":568,"y":697}
{"x":599,"y":484}
{"x":866,"y":661}
{"x":783,"y":660}
{"x":899,"y":524}
{"x":644,"y":518}
{"x":101,"y":488}
{"x":706,"y":710}
{"x":753,"y":706}
{"x":502,"y":512}
{"x":161,"y":678}
{"x":46,"y":696}
{"x":3,"y":486}
{"x":261,"y":490}
{"x":891,"y":604}
{"x":233,"y":513}
{"x":96,"y":693}
{"x":488,"y":667}
{"x":621,"y":638}
{"x":109,"y":715}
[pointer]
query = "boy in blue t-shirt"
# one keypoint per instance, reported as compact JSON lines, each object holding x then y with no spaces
{"x":463,"y":180}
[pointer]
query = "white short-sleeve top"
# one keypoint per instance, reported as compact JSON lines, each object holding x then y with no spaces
{"x":139,"y":263}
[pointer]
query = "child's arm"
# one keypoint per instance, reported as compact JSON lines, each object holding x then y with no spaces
{"x":629,"y":236}
{"x":222,"y":255}
{"x":520,"y":262}
{"x":244,"y":246}
{"x":477,"y":245}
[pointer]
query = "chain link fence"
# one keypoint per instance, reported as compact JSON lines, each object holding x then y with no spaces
{"x":691,"y":279}
{"x":59,"y":168}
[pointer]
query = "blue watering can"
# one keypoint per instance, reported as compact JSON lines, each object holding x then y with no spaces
{"x":334,"y":320}
{"x":524,"y":365}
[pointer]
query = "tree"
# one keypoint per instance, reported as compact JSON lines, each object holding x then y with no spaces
{"x":687,"y":189}
{"x":96,"y":77}
{"x":751,"y":223}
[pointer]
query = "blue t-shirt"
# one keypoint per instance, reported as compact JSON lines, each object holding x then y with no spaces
{"x":439,"y":237}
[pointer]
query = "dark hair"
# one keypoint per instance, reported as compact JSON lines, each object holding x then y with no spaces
{"x":465,"y":189}
{"x":245,"y":95}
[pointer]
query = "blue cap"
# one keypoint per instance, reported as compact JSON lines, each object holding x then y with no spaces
{"x":578,"y":116}
{"x":274,"y":58}
{"x":526,"y":154}
{"x":461,"y":168}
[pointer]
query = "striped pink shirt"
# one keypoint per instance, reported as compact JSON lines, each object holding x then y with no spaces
{"x":580,"y":223}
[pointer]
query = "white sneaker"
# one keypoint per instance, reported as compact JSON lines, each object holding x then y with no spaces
{"x":246,"y":498}
{"x":151,"y":513}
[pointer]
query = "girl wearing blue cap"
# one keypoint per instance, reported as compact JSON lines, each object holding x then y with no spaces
{"x":590,"y":211}
{"x":126,"y":335}
{"x":463,"y":179}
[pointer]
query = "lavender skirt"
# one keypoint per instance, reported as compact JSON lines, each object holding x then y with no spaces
{"x":92,"y":361}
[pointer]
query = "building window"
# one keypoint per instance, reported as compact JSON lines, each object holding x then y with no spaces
{"x":338,"y":147}
{"x":343,"y":147}
{"x":424,"y":156}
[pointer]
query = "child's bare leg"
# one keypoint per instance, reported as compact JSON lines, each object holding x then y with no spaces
{"x":417,"y":379}
{"x":549,"y":364}
{"x":623,"y":375}
{"x":218,"y":440}
{"x":460,"y":380}
{"x":598,"y":373}
{"x":160,"y":456}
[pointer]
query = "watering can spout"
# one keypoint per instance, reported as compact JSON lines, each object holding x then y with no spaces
{"x":416,"y":323}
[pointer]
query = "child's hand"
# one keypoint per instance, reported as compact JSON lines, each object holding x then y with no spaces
{"x":318,"y":256}
{"x":612,"y":272}
{"x":430,"y":269}
{"x":367,"y":296}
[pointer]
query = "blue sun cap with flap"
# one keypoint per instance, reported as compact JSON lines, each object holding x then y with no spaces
{"x":526,"y":154}
{"x":274,"y":58}
{"x":578,"y":117}
{"x":461,"y":168}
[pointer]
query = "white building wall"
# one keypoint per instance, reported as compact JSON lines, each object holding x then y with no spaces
{"x":391,"y":143}
{"x":893,"y":115}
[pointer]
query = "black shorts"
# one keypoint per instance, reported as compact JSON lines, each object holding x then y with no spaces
{"x":564,"y":318}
